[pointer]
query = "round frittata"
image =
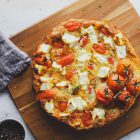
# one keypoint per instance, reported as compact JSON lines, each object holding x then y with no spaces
{"x":86,"y":73}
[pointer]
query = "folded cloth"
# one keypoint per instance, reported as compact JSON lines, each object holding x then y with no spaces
{"x":12,"y":61}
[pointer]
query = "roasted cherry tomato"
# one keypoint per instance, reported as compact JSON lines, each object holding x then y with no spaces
{"x":43,"y":61}
{"x":124,"y":68}
{"x":69,"y":74}
{"x":100,"y":48}
{"x":74,"y":117}
{"x":57,"y":43}
{"x":133,"y":86}
{"x":90,"y":66}
{"x":90,"y":89}
{"x":38,"y":60}
{"x":86,"y":118}
{"x":66,"y":60}
{"x":84,"y":41}
{"x":105,"y":96}
{"x":116,"y":82}
{"x":105,"y":31}
{"x":72,"y":26}
{"x":110,"y":60}
{"x":124,"y":98}
{"x":48,"y":63}
{"x":62,"y":106}
{"x":46,"y":94}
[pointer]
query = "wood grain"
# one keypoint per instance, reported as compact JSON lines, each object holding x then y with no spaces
{"x":120,"y":13}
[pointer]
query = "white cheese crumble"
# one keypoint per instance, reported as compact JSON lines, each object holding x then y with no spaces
{"x":100,"y":113}
{"x":77,"y":103}
{"x":92,"y":34}
{"x":56,"y":65}
{"x":46,"y":86}
{"x":43,"y":79}
{"x":83,"y":78}
{"x":83,"y":55}
{"x":121,"y":51}
{"x":68,"y":38}
{"x":49,"y":106}
{"x":62,"y":84}
{"x":44,"y":48}
{"x":103,"y":72}
{"x":119,"y":35}
{"x":102,"y":59}
{"x":108,"y":40}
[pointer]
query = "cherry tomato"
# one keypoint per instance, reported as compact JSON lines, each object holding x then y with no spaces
{"x":48,"y":63}
{"x":105,"y":31}
{"x":105,"y":96}
{"x":43,"y":61}
{"x":62,"y":106}
{"x":69,"y":74}
{"x":90,"y":66}
{"x":100,"y":48}
{"x":110,"y":60}
{"x":84,"y":41}
{"x":90,"y":89}
{"x":57,"y":44}
{"x":124,"y":68}
{"x":87,"y":118}
{"x":38,"y":60}
{"x":72,"y":26}
{"x":46,"y":94}
{"x":116,"y":82}
{"x":66,"y":60}
{"x":124,"y":98}
{"x":133,"y":86}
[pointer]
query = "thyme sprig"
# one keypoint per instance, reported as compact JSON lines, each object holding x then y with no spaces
{"x":129,"y":79}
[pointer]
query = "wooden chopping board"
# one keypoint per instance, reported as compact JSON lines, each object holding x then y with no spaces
{"x":120,"y":13}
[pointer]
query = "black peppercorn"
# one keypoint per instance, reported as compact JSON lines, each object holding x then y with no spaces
{"x":11,"y":130}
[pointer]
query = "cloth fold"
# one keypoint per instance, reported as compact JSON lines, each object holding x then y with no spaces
{"x":12,"y":61}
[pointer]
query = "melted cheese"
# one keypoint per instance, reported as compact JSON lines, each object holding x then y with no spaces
{"x":77,"y":103}
{"x":64,"y":71}
{"x":91,"y":97}
{"x":63,"y":114}
{"x":100,"y":113}
{"x":70,"y":39}
{"x":121,"y":51}
{"x":39,"y":68}
{"x":49,"y":106}
{"x":83,"y":55}
{"x":103,"y":72}
{"x":44,"y":48}
{"x":102,"y":59}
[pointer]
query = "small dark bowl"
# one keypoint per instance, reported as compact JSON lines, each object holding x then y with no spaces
{"x":11,"y":130}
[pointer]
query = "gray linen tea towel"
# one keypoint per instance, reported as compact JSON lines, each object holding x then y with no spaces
{"x":12,"y":61}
